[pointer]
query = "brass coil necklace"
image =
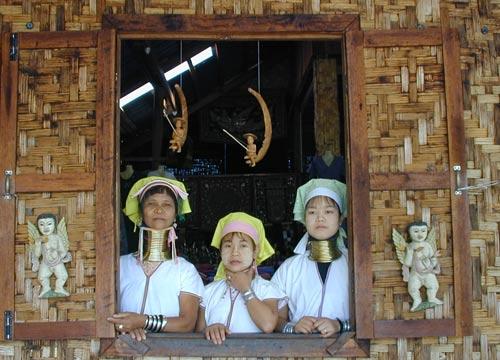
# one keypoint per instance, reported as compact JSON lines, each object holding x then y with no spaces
{"x":323,"y":251}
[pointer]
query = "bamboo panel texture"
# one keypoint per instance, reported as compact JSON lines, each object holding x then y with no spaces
{"x":79,"y":211}
{"x":56,"y":111}
{"x":406,"y":109}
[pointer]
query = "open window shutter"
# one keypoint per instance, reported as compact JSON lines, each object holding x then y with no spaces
{"x":58,"y":141}
{"x":406,"y":137}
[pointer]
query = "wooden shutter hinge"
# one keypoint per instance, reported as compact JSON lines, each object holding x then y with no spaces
{"x":8,"y":324}
{"x":14,"y":49}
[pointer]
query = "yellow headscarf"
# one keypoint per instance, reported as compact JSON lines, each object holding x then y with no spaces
{"x":246,"y":224}
{"x":132,"y":205}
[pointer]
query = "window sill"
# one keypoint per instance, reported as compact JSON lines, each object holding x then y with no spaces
{"x":240,"y":345}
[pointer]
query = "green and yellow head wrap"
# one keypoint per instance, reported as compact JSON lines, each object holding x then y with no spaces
{"x":132,"y":205}
{"x":246,"y":224}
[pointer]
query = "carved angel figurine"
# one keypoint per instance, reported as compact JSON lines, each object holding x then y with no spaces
{"x":52,"y":246}
{"x":420,"y":263}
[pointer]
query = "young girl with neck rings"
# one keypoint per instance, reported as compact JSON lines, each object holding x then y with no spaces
{"x":159,"y":291}
{"x":315,"y":280}
{"x":239,"y":300}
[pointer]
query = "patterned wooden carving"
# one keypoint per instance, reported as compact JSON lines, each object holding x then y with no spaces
{"x":274,"y":198}
{"x":240,"y":114}
{"x":221,"y":195}
{"x":269,"y":197}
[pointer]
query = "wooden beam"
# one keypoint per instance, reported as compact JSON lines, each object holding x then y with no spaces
{"x":409,"y":181}
{"x":359,"y":183}
{"x":414,"y":328}
{"x":8,"y":118}
{"x":347,"y":346}
{"x":136,"y":141}
{"x":55,"y":182}
{"x":65,"y":39}
{"x":230,"y":27}
{"x":106,"y":185}
{"x":157,"y":77}
{"x":126,"y":124}
{"x":462,"y":269}
{"x":158,"y":132}
{"x":380,"y":38}
{"x":236,"y":345}
{"x":54,"y":330}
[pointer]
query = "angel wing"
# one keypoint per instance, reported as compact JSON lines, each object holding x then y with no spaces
{"x":33,"y":233}
{"x":431,"y":239}
{"x":400,"y":244}
{"x":63,"y":233}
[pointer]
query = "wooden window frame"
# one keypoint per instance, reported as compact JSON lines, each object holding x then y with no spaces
{"x":101,"y":182}
{"x":344,"y":28}
{"x":290,"y":27}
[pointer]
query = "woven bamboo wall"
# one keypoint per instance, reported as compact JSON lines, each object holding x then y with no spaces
{"x":407,"y":132}
{"x":479,"y":25}
{"x":56,"y":134}
{"x":406,"y":109}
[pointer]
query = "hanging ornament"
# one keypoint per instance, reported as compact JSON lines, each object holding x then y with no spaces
{"x":179,"y":124}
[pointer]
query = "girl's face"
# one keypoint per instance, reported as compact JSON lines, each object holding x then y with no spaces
{"x":158,"y":211}
{"x":322,"y":217}
{"x":237,"y":252}
{"x":46,"y":226}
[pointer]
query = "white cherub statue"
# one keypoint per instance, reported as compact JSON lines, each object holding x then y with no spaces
{"x":420,"y":263}
{"x":53,"y":247}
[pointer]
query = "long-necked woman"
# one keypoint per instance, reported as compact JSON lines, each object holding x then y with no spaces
{"x":159,"y":291}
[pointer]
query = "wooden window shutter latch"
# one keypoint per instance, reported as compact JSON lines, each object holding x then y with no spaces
{"x":14,"y":50}
{"x":8,"y":324}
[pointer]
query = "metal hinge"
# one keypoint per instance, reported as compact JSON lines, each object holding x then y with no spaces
{"x":8,"y":324}
{"x":14,"y":49}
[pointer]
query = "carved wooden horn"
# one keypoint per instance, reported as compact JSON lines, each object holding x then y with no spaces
{"x":268,"y":126}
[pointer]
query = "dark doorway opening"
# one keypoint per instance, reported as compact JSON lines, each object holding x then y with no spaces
{"x":211,"y":163}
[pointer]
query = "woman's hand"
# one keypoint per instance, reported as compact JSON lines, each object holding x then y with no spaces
{"x":327,"y":327}
{"x":216,"y":333}
{"x":306,"y":325}
{"x":129,"y":322}
{"x":241,"y":280}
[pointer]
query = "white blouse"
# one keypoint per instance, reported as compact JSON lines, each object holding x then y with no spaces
{"x":301,"y":281}
{"x":225,"y":305}
{"x":160,"y":291}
